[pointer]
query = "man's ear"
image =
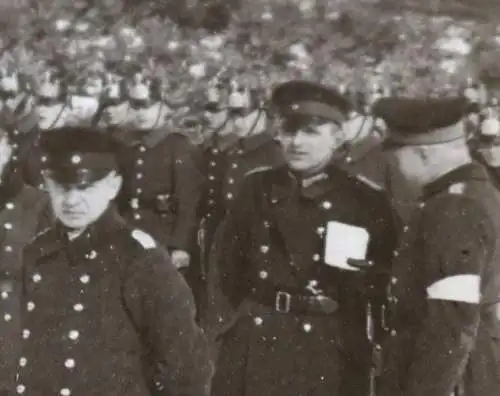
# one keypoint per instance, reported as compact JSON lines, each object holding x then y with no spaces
{"x":114,"y":183}
{"x":423,"y":152}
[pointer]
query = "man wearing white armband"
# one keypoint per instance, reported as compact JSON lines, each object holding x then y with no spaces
{"x":443,"y":313}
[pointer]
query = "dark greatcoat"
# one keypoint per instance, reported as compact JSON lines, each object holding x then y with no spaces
{"x":436,"y":346}
{"x":224,"y":170}
{"x":162,"y":186}
{"x":275,"y":236}
{"x":24,"y":211}
{"x":108,"y":314}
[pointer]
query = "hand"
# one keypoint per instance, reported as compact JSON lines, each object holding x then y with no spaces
{"x":180,"y":258}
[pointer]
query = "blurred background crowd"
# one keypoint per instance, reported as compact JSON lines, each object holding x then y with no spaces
{"x":366,"y":46}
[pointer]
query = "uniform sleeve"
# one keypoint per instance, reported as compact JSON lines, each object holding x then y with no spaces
{"x":457,"y":244}
{"x":164,"y":311}
{"x":188,"y":190}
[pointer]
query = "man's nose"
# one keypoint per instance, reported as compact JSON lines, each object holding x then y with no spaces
{"x":298,"y":137}
{"x":71,"y":196}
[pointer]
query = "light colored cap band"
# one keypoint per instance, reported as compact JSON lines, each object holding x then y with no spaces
{"x":436,"y":136}
{"x":316,"y":109}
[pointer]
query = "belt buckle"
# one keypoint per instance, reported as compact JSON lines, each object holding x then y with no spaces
{"x":283,"y":301}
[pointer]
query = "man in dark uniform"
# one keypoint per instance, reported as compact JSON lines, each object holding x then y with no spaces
{"x":53,"y":110}
{"x":444,"y":296}
{"x":240,"y":140}
{"x":283,"y":254}
{"x":24,"y":211}
{"x":162,"y":184}
{"x":105,"y":312}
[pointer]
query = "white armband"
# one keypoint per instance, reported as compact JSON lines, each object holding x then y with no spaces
{"x":459,"y":288}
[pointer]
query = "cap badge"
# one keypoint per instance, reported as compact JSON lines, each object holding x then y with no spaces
{"x":295,"y":107}
{"x":76,"y":159}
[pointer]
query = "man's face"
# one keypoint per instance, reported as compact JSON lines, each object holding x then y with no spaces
{"x":78,"y":207}
{"x":116,"y":114}
{"x":309,"y":145}
{"x":51,"y":116}
{"x":147,"y":117}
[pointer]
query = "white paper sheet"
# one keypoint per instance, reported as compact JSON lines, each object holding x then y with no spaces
{"x":345,"y":241}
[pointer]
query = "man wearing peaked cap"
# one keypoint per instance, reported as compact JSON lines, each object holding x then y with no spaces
{"x":303,"y":98}
{"x":238,"y":139}
{"x":94,"y":286}
{"x":442,"y":303}
{"x":279,"y":263}
{"x":430,"y":121}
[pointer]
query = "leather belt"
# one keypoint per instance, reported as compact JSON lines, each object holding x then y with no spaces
{"x":284,"y":302}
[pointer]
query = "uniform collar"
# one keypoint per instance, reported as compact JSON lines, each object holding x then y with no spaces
{"x":464,"y":173}
{"x":93,"y":239}
{"x":286,"y":183}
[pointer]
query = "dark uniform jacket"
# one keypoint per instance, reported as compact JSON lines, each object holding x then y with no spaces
{"x":24,"y":211}
{"x":108,"y":314}
{"x":439,"y":326}
{"x":224,"y":171}
{"x":162,"y":186}
{"x":225,"y":168}
{"x":272,"y":242}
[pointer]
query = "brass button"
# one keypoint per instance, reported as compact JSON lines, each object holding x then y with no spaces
{"x":326,"y":205}
{"x":69,"y":363}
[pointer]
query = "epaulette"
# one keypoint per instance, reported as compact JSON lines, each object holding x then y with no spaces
{"x":369,"y":183}
{"x":457,"y":188}
{"x":146,"y":240}
{"x":258,"y":170}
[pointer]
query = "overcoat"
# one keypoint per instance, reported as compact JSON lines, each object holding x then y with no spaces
{"x":224,"y":169}
{"x":273,"y":244}
{"x":443,"y":317}
{"x":162,"y":185}
{"x":108,"y":314}
{"x":24,"y":211}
